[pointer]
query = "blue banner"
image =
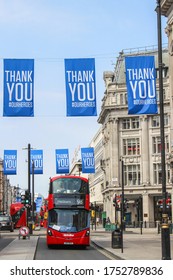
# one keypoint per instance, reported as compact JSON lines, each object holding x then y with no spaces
{"x":18,"y":199}
{"x":38,"y":202}
{"x":141,"y":85}
{"x":62,"y":161}
{"x":88,"y":161}
{"x":37,"y":160}
{"x":18,"y":88}
{"x":10,"y":162}
{"x":80,"y":87}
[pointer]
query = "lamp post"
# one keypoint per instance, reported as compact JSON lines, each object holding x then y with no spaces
{"x":165,"y":235}
{"x":29,"y":187}
{"x":29,"y":181}
{"x":32,"y":192}
{"x":122,"y":204}
{"x":29,"y":163}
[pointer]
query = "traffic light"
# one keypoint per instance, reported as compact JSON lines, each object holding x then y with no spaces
{"x":27,"y":198}
{"x":126,"y":204}
{"x":91,"y":206}
{"x":168,"y":202}
{"x":116,"y":203}
{"x":23,"y":199}
{"x":160,"y":203}
{"x":92,"y":213}
{"x":137,"y":203}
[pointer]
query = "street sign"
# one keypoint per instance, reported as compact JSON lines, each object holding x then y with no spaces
{"x":24,"y":231}
{"x":18,"y":199}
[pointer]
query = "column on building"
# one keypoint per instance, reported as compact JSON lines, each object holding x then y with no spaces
{"x":114,"y":160}
{"x":145,"y":200}
{"x":148,"y":209}
{"x":114,"y":153}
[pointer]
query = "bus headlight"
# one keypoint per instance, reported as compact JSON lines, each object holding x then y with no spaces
{"x":49,"y":232}
{"x":87,"y":233}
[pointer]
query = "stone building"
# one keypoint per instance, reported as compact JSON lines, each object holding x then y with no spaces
{"x":135,"y":140}
{"x":96,"y":179}
{"x":7,"y":192}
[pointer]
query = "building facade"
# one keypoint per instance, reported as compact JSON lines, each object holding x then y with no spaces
{"x":7,"y":192}
{"x":135,"y":140}
{"x":96,"y":179}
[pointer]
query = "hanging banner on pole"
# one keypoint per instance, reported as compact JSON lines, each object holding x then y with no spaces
{"x":88,"y":161}
{"x":18,"y":88}
{"x":37,"y":159}
{"x":10,"y":162}
{"x":80,"y":87}
{"x":141,"y":85}
{"x":62,"y":161}
{"x":38,"y":202}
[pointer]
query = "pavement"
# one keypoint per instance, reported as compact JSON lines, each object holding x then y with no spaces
{"x":137,"y":244}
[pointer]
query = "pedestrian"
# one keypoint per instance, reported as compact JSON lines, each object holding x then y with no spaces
{"x":97,"y":221}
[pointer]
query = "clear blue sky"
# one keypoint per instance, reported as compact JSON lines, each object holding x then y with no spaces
{"x":49,"y":32}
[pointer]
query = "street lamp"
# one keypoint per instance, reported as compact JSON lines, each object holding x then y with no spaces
{"x":122,"y":203}
{"x":29,"y":181}
{"x":164,"y":226}
{"x":32,"y":191}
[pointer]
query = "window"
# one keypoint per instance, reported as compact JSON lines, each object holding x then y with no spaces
{"x":157,"y":168}
{"x":166,"y":120}
{"x":70,"y":185}
{"x":68,"y":220}
{"x":126,"y":124}
{"x":123,"y":99}
{"x":131,"y":146}
{"x":135,"y":123}
{"x":158,"y":95}
{"x":132,"y":175}
{"x":157,"y":144}
{"x":156,"y":121}
{"x":130,"y":123}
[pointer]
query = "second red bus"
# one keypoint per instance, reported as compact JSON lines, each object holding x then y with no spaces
{"x":18,"y":214}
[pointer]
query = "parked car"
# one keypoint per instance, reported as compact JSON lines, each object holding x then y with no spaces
{"x":6,"y":223}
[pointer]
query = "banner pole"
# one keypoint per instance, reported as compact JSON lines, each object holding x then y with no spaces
{"x":165,"y":235}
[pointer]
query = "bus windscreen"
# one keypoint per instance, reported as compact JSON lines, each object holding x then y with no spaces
{"x":68,"y":220}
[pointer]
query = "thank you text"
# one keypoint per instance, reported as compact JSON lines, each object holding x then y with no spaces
{"x":88,"y":161}
{"x":10,"y":162}
{"x":141,"y":85}
{"x":18,"y":87}
{"x":80,"y":87}
{"x":36,"y":164}
{"x":62,"y":161}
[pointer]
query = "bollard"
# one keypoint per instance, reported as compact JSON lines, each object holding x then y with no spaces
{"x":30,"y":228}
{"x":141,"y":223}
{"x":158,"y":227}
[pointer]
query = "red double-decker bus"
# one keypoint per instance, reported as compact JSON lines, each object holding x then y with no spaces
{"x":18,"y":214}
{"x":68,"y":211}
